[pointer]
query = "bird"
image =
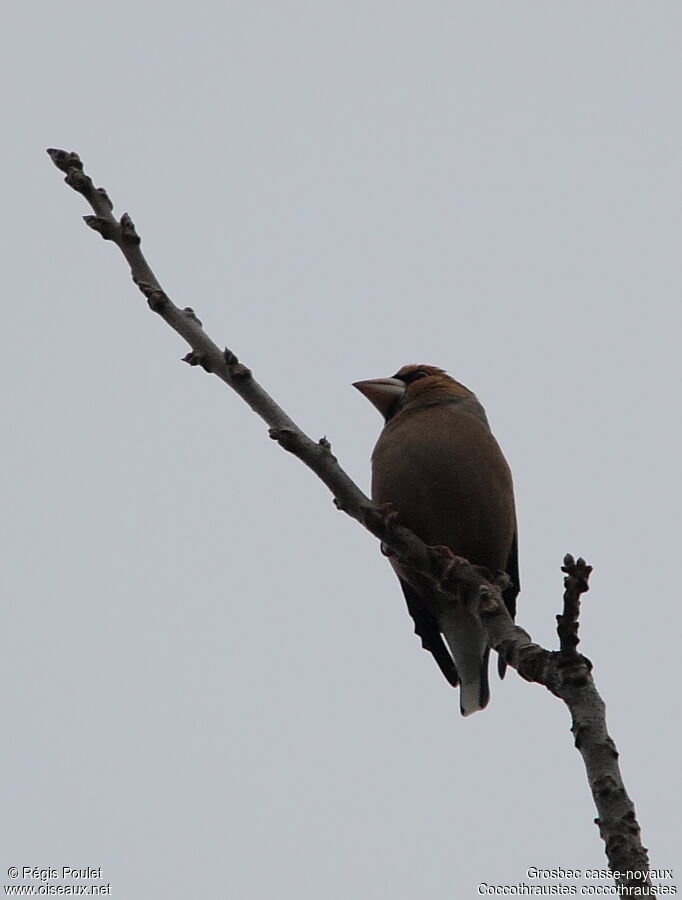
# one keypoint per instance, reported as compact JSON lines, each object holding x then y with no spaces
{"x":438,"y":466}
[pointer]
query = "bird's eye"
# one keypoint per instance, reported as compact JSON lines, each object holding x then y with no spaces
{"x":410,"y":377}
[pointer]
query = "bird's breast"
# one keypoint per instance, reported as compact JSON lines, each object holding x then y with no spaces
{"x":443,"y":472}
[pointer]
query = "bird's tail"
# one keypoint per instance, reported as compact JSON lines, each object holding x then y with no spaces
{"x":467,"y":642}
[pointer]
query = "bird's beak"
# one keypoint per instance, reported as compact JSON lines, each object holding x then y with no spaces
{"x":382,"y":392}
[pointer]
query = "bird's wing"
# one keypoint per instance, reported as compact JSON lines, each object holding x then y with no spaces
{"x":512,"y":569}
{"x":509,"y":596}
{"x":426,"y":628}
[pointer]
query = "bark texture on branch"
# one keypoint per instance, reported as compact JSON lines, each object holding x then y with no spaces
{"x":564,"y":672}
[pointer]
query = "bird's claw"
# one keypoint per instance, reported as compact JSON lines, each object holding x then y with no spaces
{"x":452,"y":561}
{"x":501,"y":580}
{"x":387,"y":513}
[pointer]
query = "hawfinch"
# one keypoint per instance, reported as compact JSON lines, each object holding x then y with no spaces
{"x":439,"y":467}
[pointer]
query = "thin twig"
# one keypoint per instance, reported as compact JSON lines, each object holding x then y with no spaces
{"x":576,"y":583}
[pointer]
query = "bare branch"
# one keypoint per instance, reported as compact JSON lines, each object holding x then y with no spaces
{"x":564,"y":672}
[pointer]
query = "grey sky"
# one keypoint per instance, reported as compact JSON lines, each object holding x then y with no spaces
{"x":210,"y":684}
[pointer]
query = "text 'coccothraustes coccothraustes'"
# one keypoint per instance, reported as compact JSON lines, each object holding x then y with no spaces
{"x":439,"y":467}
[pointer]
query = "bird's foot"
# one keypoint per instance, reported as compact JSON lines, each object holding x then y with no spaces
{"x":452,"y":561}
{"x":501,"y":580}
{"x":387,"y":515}
{"x":386,"y":511}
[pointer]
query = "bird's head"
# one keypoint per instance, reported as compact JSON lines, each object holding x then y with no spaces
{"x":411,"y":386}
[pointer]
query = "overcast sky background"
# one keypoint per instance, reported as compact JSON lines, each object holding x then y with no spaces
{"x":209,"y":679}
